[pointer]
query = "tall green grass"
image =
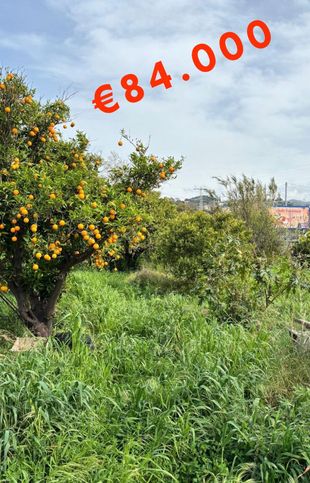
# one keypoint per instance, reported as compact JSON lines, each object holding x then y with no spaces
{"x":167,"y":396}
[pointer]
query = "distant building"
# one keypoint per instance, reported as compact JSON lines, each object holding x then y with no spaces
{"x":203,"y":202}
{"x":292,"y":217}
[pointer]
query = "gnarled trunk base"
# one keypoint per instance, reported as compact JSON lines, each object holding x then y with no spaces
{"x":37,"y":312}
{"x":33,"y":315}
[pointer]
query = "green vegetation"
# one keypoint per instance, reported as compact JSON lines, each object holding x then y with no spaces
{"x":167,"y":395}
{"x":56,"y":209}
{"x":250,"y":200}
{"x":193,"y":376}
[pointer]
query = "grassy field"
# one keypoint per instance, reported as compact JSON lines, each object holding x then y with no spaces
{"x":167,"y":395}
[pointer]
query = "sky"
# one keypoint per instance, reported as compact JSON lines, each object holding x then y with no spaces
{"x":247,"y":116}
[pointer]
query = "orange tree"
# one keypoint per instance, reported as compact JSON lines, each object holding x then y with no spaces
{"x":56,"y":211}
{"x":156,"y":212}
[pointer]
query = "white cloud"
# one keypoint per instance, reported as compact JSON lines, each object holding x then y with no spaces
{"x":246,"y":116}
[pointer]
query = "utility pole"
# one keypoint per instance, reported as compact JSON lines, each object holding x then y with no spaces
{"x":285,"y":196}
{"x":200,"y":199}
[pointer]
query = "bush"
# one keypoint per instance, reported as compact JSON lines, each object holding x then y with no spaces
{"x":250,"y":200}
{"x":213,"y":257}
{"x":301,"y":250}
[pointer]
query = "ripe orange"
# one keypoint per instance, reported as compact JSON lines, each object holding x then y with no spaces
{"x":129,"y":189}
{"x":105,"y":219}
{"x":92,"y":227}
{"x":72,"y":124}
{"x":26,"y":220}
{"x":47,"y":258}
{"x":15,"y":192}
{"x":139,"y":192}
{"x":94,"y":205}
{"x":34,"y":228}
{"x":4,"y":289}
{"x":162,"y":175}
{"x":14,"y":238}
{"x":35,"y":267}
{"x":55,"y":227}
{"x":52,"y":196}
{"x":120,"y":142}
{"x":38,"y":255}
{"x":7,"y":109}
{"x":14,"y":131}
{"x":80,"y":226}
{"x":62,"y":223}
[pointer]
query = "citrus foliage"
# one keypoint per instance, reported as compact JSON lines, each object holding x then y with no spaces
{"x":212,"y":255}
{"x":143,"y":172}
{"x":55,"y":209}
{"x":155,"y":212}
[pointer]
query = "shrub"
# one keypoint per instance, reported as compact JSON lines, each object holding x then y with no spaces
{"x":250,"y":200}
{"x":301,"y":250}
{"x":213,"y":257}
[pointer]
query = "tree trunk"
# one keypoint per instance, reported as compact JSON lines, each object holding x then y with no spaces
{"x":37,"y":312}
